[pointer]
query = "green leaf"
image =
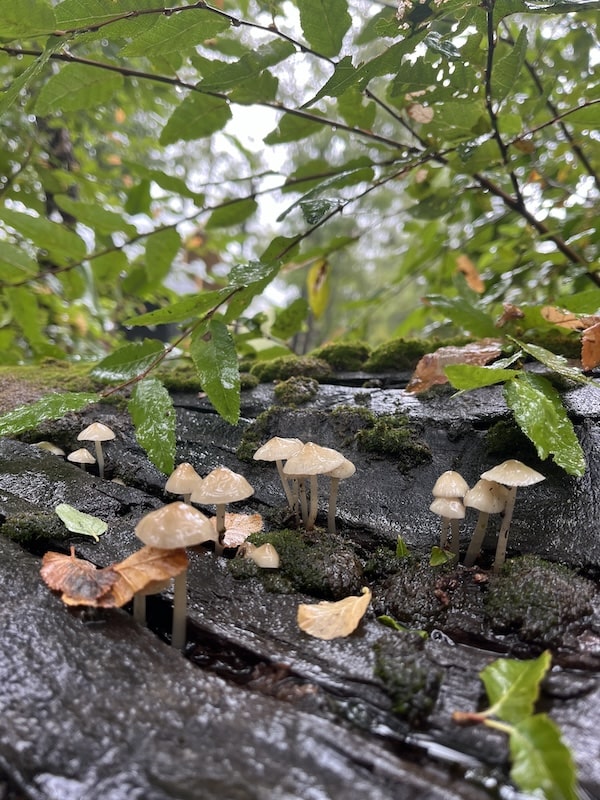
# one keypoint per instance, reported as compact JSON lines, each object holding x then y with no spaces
{"x":12,"y":94}
{"x":292,"y":128}
{"x":541,"y":763}
{"x":76,"y":87}
{"x":233,"y":213}
{"x":79,"y":522}
{"x":401,"y":548}
{"x":513,"y":687}
{"x":438,"y":557}
{"x":248,"y":67}
{"x":197,"y":116}
{"x":313,"y":211}
{"x":52,"y":406}
{"x":324,"y":23}
{"x":469,"y":376}
{"x":25,"y":18}
{"x":183,"y":311}
{"x":587,"y":302}
{"x":343,"y":78}
{"x":540,"y":414}
{"x":153,"y":416}
{"x":95,"y":217}
{"x":556,"y":363}
{"x":176,"y":33}
{"x":62,"y":245}
{"x":147,"y":276}
{"x":128,"y":361}
{"x":466,"y":316}
{"x":13,"y":260}
{"x":213,"y":352}
{"x":505,"y":71}
{"x":289,"y":320}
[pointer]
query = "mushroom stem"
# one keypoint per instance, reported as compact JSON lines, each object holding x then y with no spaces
{"x":139,"y":608}
{"x":100,"y":458}
{"x":187,"y":498}
{"x":454,"y":541}
{"x":444,"y":533}
{"x":477,"y":539}
{"x":333,"y":493}
{"x":503,"y":535}
{"x":179,"y":610}
{"x":285,"y":484}
{"x":314,"y":497}
{"x":303,"y":501}
{"x":220,"y":514}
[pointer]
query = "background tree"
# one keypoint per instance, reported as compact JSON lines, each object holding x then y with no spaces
{"x":366,"y":153}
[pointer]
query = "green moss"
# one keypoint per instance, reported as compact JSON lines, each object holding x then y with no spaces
{"x":397,"y":355}
{"x":248,"y":381}
{"x":382,"y":562}
{"x":295,"y":391}
{"x":290,"y":366}
{"x":537,"y":600}
{"x":409,"y":595}
{"x":29,"y":527}
{"x":179,"y":376}
{"x":394,"y":436}
{"x":505,"y":439}
{"x":255,"y":435}
{"x":408,"y":676}
{"x":322,"y":565}
{"x":344,"y":356}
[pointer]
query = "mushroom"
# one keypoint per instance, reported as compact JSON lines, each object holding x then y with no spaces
{"x":49,"y":447}
{"x":488,"y":497}
{"x":264,"y":556}
{"x":450,"y":510}
{"x":345,"y":470}
{"x":183,"y":480}
{"x":97,"y":432}
{"x":278,"y":450}
{"x":221,"y":486}
{"x":452,"y":486}
{"x":511,"y":473}
{"x":81,"y":457}
{"x":172,"y":526}
{"x":312,"y":460}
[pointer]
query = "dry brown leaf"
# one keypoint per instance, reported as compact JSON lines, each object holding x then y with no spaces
{"x":590,"y":347}
{"x":510,"y":313}
{"x":566,"y":319}
{"x":469,"y":270}
{"x":327,"y":620}
{"x":146,"y":566}
{"x":80,"y":581}
{"x":238,"y":527}
{"x":430,"y":369}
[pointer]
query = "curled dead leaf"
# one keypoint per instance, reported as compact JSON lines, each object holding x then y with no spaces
{"x":590,"y":347}
{"x":430,"y":369}
{"x":238,"y":527}
{"x":331,"y":620}
{"x":80,"y":581}
{"x":510,"y":313}
{"x":469,"y":270}
{"x":147,"y":566}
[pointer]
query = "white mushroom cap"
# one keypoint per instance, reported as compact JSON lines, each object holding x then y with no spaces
{"x":486,"y":496}
{"x":278,"y":449}
{"x":81,"y":456}
{"x":96,"y":432}
{"x":313,"y":459}
{"x":448,"y":508}
{"x":183,"y":480}
{"x":49,"y":447}
{"x":265,"y":556}
{"x":450,"y":484}
{"x":222,"y":485}
{"x":175,"y":525}
{"x":345,"y":470}
{"x":513,"y":473}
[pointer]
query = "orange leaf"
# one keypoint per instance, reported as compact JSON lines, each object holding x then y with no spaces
{"x":328,"y":620}
{"x":510,"y":313}
{"x":79,"y":580}
{"x":147,"y":565}
{"x":430,"y":369}
{"x":469,"y":270}
{"x":590,"y":347}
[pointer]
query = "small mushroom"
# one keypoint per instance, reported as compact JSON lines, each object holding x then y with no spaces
{"x":488,"y":497}
{"x":183,"y":480}
{"x":221,"y":486}
{"x":279,"y":449}
{"x":265,"y":556}
{"x":50,"y":447}
{"x":310,"y":461}
{"x":81,"y":457}
{"x":345,"y":470}
{"x":453,"y":486}
{"x":450,"y":510}
{"x":172,"y":526}
{"x":511,"y":473}
{"x":97,"y":433}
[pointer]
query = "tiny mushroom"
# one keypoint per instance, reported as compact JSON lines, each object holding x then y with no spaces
{"x":279,"y":449}
{"x":222,"y":486}
{"x":97,"y":432}
{"x":264,"y":556}
{"x":176,"y":525}
{"x":310,"y":461}
{"x":450,"y":510}
{"x":81,"y":457}
{"x":511,"y":473}
{"x":488,"y":497}
{"x":345,"y":470}
{"x":452,"y":486}
{"x":50,"y":447}
{"x":183,"y":480}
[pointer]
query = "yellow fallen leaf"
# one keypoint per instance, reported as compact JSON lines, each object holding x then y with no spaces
{"x":330,"y":620}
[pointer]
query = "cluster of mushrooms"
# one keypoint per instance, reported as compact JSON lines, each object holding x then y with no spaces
{"x":97,"y":433}
{"x":494,"y":493}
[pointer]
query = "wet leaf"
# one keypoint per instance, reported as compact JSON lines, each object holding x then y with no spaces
{"x":513,"y":686}
{"x":590,"y":347}
{"x":327,"y":620}
{"x":214,"y":355}
{"x":430,"y":370}
{"x":146,"y":566}
{"x":554,"y":362}
{"x":238,"y":527}
{"x":153,"y":415}
{"x":80,"y":581}
{"x":53,"y":406}
{"x":79,"y":522}
{"x":439,"y":556}
{"x":466,"y":376}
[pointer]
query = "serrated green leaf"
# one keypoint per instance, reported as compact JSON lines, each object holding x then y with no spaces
{"x":343,"y":78}
{"x":213,"y":352}
{"x":513,"y":687}
{"x":388,"y":61}
{"x":347,"y":177}
{"x":14,"y":92}
{"x":128,"y":361}
{"x":556,"y":363}
{"x":292,"y":128}
{"x":324,"y":24}
{"x":176,"y":32}
{"x":505,"y":71}
{"x":196,"y":117}
{"x":76,"y":87}
{"x":82,"y":13}
{"x":313,"y":211}
{"x":232,"y":213}
{"x":52,"y":406}
{"x":62,"y":245}
{"x":248,"y":67}
{"x":466,"y":316}
{"x":261,"y":89}
{"x":468,"y":376}
{"x":541,"y":763}
{"x":153,"y":416}
{"x":99,"y":219}
{"x":25,"y":19}
{"x":183,"y":311}
{"x":78,"y":522}
{"x":289,"y":320}
{"x":540,"y":414}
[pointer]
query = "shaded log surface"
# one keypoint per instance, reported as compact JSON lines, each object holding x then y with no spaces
{"x":260,"y":709}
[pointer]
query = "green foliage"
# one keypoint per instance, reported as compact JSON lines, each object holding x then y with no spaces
{"x":153,"y":415}
{"x":53,"y":406}
{"x":78,"y":522}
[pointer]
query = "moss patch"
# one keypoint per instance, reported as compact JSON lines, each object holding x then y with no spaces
{"x":344,"y":356}
{"x":280,"y":369}
{"x":295,"y":391}
{"x":30,"y":527}
{"x":505,"y":440}
{"x":411,"y":595}
{"x":392,"y":435}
